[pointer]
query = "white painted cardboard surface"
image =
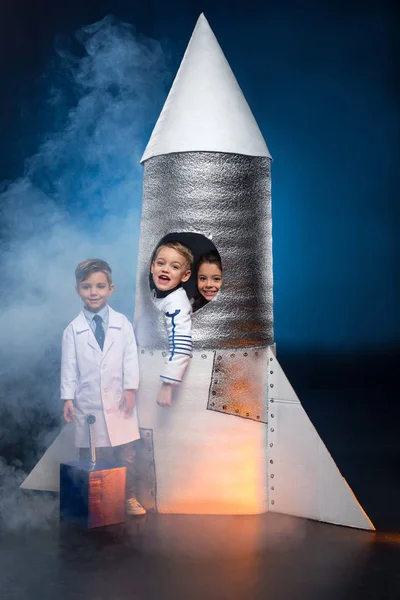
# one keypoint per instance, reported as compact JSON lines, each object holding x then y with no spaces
{"x":305,"y":479}
{"x":46,"y":474}
{"x":206,"y":462}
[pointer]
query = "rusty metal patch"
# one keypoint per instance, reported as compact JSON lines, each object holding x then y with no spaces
{"x":238,"y":383}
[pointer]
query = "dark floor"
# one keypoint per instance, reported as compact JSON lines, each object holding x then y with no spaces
{"x":269,"y":557}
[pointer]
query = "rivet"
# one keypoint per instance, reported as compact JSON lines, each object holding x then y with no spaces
{"x":142,"y":352}
{"x":204,"y":356}
{"x":271,"y":359}
{"x":244,"y":353}
{"x":224,"y":407}
{"x":271,"y":385}
{"x":272,"y":501}
{"x":219,"y":357}
{"x":237,"y":411}
{"x":272,"y":400}
{"x":272,"y":416}
{"x":271,"y":372}
{"x":232,"y":356}
{"x":272,"y":475}
{"x":272,"y":429}
{"x":212,"y":403}
{"x":217,"y":370}
{"x":215,"y":382}
{"x":258,"y":416}
{"x":272,"y":462}
{"x":272,"y":487}
{"x":164,"y":354}
{"x":255,"y":353}
{"x":271,"y":445}
{"x":247,"y":414}
{"x":214,"y":393}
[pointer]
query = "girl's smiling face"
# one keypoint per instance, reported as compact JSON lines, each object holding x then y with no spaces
{"x":209,"y":280}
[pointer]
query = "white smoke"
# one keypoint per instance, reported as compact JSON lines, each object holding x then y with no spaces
{"x":80,"y":197}
{"x":23,"y":510}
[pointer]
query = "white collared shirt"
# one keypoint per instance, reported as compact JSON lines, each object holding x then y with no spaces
{"x":103,"y":313}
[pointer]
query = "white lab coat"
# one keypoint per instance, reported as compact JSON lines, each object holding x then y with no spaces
{"x":178,"y":319}
{"x":95,"y":379}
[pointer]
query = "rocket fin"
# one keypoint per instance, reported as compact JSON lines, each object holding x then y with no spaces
{"x":46,"y":474}
{"x":303,"y":479}
{"x":205,"y":109}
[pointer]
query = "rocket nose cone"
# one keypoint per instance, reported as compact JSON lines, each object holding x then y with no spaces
{"x":206,"y":110}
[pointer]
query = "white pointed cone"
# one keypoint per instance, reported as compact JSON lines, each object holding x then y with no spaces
{"x":205,"y":109}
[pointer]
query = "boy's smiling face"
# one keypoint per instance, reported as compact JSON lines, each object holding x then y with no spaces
{"x":169,"y":269}
{"x":95,"y":291}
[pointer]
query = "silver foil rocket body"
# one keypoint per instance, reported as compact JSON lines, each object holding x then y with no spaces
{"x":226,"y":198}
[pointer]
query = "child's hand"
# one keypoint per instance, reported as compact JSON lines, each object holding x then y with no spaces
{"x":164,"y":397}
{"x":69,"y":411}
{"x":128,"y":402}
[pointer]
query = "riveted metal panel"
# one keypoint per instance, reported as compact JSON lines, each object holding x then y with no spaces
{"x":238,"y":383}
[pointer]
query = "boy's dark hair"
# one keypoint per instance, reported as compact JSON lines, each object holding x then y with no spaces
{"x":92,"y":265}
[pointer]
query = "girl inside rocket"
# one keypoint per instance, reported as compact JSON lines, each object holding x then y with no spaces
{"x":209,"y":279}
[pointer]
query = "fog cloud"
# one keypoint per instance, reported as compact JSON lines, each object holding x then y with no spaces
{"x":80,"y":197}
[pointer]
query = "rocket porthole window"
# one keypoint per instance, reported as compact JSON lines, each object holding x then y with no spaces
{"x":206,"y":276}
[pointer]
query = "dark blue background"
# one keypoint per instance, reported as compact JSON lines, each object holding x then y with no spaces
{"x":321,"y":81}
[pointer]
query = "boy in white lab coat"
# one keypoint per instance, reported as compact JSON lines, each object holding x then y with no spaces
{"x":100,"y":374}
{"x":170,"y":268}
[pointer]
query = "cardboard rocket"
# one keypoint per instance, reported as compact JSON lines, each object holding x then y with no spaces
{"x":237,"y":439}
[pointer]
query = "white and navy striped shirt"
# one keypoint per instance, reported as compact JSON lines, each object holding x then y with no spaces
{"x":177,"y":313}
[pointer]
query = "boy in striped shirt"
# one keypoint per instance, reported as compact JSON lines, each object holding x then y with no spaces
{"x":170,"y":268}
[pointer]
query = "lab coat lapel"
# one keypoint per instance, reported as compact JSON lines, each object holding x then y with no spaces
{"x":82,"y":327}
{"x":114,"y":324}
